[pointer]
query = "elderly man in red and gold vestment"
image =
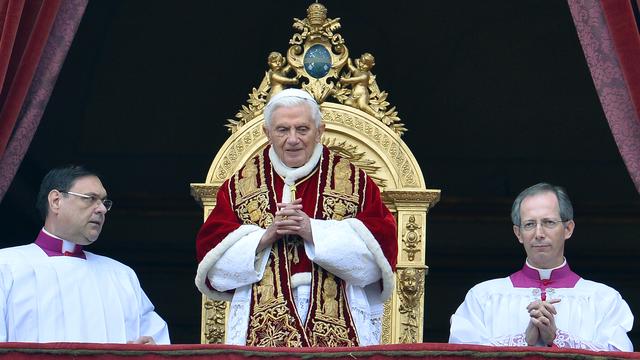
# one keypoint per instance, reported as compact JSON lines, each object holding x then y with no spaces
{"x":299,"y":240}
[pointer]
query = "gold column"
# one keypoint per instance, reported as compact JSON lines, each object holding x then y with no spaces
{"x":214,"y":312}
{"x":404,"y":312}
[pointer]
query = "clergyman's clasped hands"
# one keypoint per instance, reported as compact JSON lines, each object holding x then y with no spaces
{"x":542,"y":325}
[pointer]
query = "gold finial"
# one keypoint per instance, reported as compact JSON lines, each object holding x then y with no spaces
{"x":317,"y":14}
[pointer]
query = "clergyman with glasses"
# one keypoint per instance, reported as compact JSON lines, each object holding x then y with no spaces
{"x":53,"y":290}
{"x":545,"y":303}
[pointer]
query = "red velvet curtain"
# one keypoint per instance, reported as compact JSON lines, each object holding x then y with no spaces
{"x":35,"y":38}
{"x":25,"y":29}
{"x":610,"y":41}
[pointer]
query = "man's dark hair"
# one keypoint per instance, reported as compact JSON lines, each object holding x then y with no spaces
{"x":61,"y":178}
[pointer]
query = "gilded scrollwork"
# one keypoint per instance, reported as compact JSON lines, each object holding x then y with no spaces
{"x":399,"y":158}
{"x":237,"y":150}
{"x":318,"y":61}
{"x":317,"y":52}
{"x":429,"y":197}
{"x":412,"y":238}
{"x":410,"y":290}
{"x":254,"y":108}
{"x":316,"y":25}
{"x":387,"y":324}
{"x":214,"y":327}
{"x":355,"y":156}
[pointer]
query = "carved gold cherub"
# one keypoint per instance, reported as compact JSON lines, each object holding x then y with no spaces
{"x":277,"y":74}
{"x":359,"y":81}
{"x":409,"y":285}
{"x":410,"y":292}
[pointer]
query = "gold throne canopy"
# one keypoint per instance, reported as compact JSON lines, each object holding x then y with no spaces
{"x":362,"y":126}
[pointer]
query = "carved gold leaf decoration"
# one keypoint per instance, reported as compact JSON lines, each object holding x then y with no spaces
{"x":358,"y":158}
{"x":214,"y":321}
{"x":400,"y":161}
{"x":256,"y":103}
{"x":411,"y":287}
{"x":386,"y":323}
{"x":411,"y":238}
{"x":353,"y":85}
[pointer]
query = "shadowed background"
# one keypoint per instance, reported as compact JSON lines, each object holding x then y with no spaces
{"x":496,"y":96}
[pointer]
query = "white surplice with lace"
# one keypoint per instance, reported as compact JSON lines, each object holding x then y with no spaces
{"x":68,"y":299}
{"x":590,"y":316}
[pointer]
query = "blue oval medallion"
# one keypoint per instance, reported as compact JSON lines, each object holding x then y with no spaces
{"x":317,"y":61}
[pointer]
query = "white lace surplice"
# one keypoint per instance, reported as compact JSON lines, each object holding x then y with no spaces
{"x":589,"y":316}
{"x":68,"y":299}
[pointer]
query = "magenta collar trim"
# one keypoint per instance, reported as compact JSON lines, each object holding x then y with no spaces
{"x":530,"y":278}
{"x":53,"y":247}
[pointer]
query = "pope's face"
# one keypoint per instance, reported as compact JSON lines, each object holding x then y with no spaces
{"x":79,"y":219}
{"x":544,"y":246}
{"x":293,"y":134}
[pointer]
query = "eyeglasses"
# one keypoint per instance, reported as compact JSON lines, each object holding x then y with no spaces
{"x":546,"y":223}
{"x":90,"y":199}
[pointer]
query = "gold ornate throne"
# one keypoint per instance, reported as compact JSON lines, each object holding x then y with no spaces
{"x":361,"y":126}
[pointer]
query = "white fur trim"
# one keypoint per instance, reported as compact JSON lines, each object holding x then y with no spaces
{"x":388,"y":277}
{"x":214,"y":255}
{"x":300,"y":279}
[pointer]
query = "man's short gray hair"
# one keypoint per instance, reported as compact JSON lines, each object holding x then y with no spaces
{"x":291,"y":98}
{"x":566,"y":209}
